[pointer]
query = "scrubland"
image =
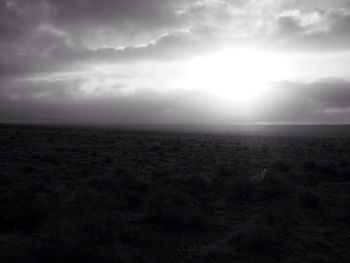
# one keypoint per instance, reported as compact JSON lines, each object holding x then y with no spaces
{"x":70,"y":194}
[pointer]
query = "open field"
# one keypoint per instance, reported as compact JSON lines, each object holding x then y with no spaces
{"x":70,"y":194}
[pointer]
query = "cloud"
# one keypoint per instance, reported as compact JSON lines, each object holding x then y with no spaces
{"x":71,"y":101}
{"x":325,"y":101}
{"x":313,"y":32}
{"x":43,"y":39}
{"x":52,"y":35}
{"x":19,"y":18}
{"x":82,"y":100}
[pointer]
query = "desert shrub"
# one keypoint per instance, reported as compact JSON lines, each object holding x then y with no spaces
{"x":129,"y":198}
{"x":224,"y":171}
{"x":197,"y":183}
{"x":318,"y":258}
{"x":87,"y":202}
{"x":162,"y":175}
{"x":101,"y":229}
{"x":272,"y":217}
{"x":173,"y":207}
{"x":281,"y":166}
{"x":257,"y":237}
{"x":309,"y":200}
{"x":108,"y":159}
{"x":9,"y":250}
{"x":275,"y":186}
{"x":30,"y":169}
{"x":156,"y":149}
{"x":94,"y":153}
{"x":342,"y":175}
{"x":131,"y":191}
{"x":104,"y":184}
{"x":125,"y":191}
{"x":90,"y":240}
{"x":222,"y":174}
{"x":330,"y":174}
{"x":38,"y":187}
{"x":210,"y":254}
{"x":283,"y":220}
{"x":306,"y":179}
{"x":309,"y":165}
{"x":175,"y":148}
{"x":76,"y":236}
{"x":50,"y":159}
{"x":23,"y":216}
{"x":134,"y":183}
{"x":326,"y":168}
{"x":6,"y":180}
{"x":199,"y":187}
{"x":343,"y":209}
{"x":239,"y":188}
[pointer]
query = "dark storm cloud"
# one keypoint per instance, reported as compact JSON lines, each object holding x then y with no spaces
{"x":326,"y":101}
{"x":55,"y":54}
{"x":289,"y":26}
{"x":43,"y":38}
{"x":317,"y":31}
{"x":52,"y":35}
{"x":323,"y":101}
{"x":18,"y":18}
{"x":177,"y":46}
{"x":63,"y":102}
{"x":131,"y":14}
{"x":331,"y":93}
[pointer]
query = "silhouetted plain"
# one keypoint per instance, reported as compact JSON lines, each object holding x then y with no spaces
{"x":70,"y":194}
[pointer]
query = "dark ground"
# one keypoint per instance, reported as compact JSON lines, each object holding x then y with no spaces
{"x":103,"y":195}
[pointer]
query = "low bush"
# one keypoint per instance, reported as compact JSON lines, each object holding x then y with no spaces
{"x":309,"y":200}
{"x":210,"y":254}
{"x":342,"y":175}
{"x":30,"y":169}
{"x":104,"y":184}
{"x":281,"y":166}
{"x":50,"y":159}
{"x":24,"y":217}
{"x":309,"y":165}
{"x":306,"y":179}
{"x":257,"y":237}
{"x":88,"y":202}
{"x":343,"y":209}
{"x":345,"y":174}
{"x":197,"y":183}
{"x":173,"y":207}
{"x":90,"y":240}
{"x":275,"y":186}
{"x":273,"y":218}
{"x":224,"y":171}
{"x":239,"y":188}
{"x":133,"y":183}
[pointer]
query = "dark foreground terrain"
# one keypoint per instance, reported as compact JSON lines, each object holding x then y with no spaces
{"x":103,"y":195}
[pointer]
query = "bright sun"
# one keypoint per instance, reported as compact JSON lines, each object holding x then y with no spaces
{"x":240,"y":75}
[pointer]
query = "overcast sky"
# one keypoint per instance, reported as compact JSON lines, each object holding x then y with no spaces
{"x":175,"y":61}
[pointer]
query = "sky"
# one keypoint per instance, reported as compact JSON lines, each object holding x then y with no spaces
{"x":175,"y":61}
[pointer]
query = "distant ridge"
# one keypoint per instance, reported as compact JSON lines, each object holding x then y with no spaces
{"x":302,"y":130}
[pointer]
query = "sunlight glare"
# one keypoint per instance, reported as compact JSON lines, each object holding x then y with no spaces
{"x":241,"y":76}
